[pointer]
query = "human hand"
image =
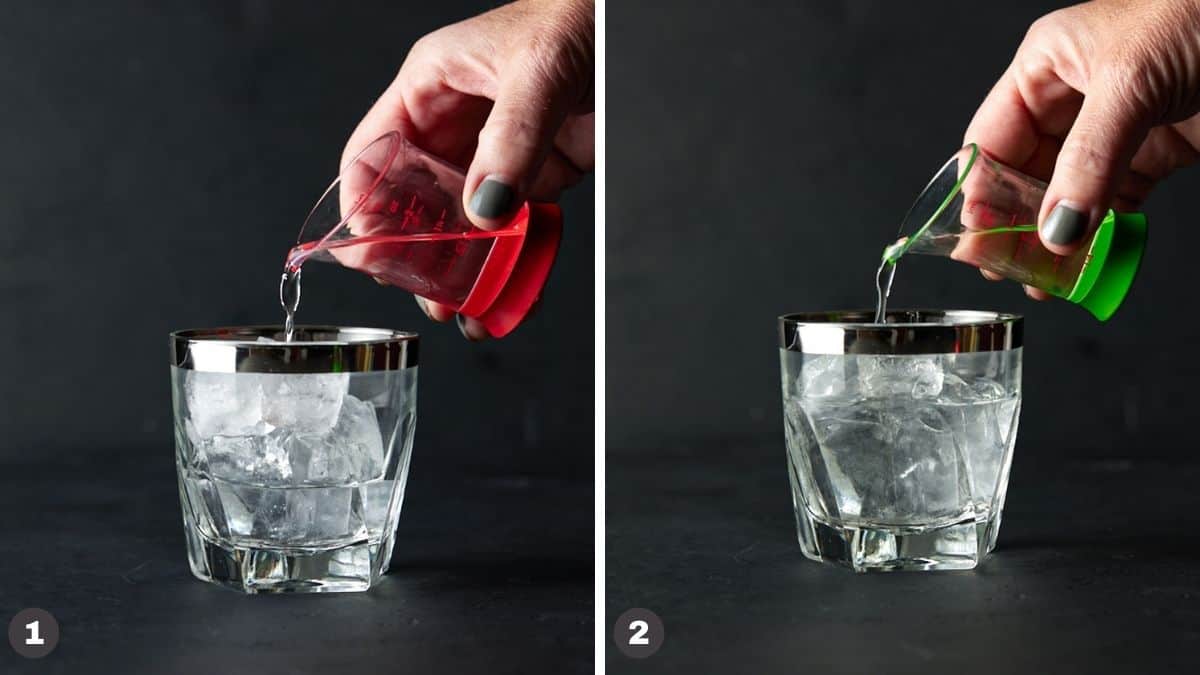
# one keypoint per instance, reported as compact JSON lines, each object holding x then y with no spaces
{"x":1101,"y":101}
{"x":509,"y":94}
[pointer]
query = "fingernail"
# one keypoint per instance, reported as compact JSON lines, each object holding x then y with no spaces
{"x":462,"y":327}
{"x":381,"y":282}
{"x":1064,"y":225}
{"x":422,"y":305}
{"x":492,"y":199}
{"x":466,"y":332}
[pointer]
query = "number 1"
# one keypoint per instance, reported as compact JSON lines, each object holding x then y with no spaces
{"x":639,"y":628}
{"x":33,"y":638}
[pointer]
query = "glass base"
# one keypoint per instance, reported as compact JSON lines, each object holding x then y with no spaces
{"x":958,"y":546}
{"x":262,"y":570}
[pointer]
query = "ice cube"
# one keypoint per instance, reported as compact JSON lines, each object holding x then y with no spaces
{"x":350,"y":452}
{"x":983,"y":414}
{"x":907,"y":375}
{"x":307,"y":516}
{"x":822,"y":376}
{"x":261,"y":514}
{"x":237,"y":503}
{"x":293,"y":517}
{"x":256,"y":459}
{"x":931,"y":480}
{"x":303,"y":403}
{"x":986,"y":389}
{"x":223,"y":404}
{"x":959,"y":391}
{"x":853,"y":454}
{"x":894,"y":464}
{"x":333,"y":513}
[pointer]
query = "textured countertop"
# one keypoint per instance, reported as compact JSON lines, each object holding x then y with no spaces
{"x":490,"y":574}
{"x":1097,"y":570}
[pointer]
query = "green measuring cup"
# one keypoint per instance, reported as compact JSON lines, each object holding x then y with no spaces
{"x":981,"y":212}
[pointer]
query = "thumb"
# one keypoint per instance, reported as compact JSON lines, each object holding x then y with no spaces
{"x":533,"y":101}
{"x":1091,"y":164}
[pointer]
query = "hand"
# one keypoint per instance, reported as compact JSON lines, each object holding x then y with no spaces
{"x":510,"y":94}
{"x":1101,"y":101}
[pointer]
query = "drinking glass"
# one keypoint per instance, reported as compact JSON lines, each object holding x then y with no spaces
{"x":292,"y":456}
{"x":900,"y":435}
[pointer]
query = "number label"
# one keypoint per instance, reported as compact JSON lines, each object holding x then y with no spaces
{"x":34,"y":638}
{"x":639,"y":628}
{"x":638,"y":633}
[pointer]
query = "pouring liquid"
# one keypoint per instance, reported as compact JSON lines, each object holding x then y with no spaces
{"x":883,"y":288}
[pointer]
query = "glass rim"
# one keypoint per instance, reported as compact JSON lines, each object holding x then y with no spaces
{"x":907,"y":331}
{"x":236,"y":349}
{"x":395,"y":143}
{"x":960,"y":178}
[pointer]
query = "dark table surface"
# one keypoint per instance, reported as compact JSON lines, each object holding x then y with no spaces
{"x":1097,"y":570}
{"x":491,"y":574}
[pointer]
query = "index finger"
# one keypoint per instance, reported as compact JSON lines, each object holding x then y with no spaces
{"x":1003,"y":124}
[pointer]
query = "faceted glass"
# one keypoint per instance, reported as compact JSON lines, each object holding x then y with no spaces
{"x":900,"y":461}
{"x":292,"y":481}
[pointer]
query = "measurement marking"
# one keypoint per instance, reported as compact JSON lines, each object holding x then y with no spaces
{"x":988,"y":218}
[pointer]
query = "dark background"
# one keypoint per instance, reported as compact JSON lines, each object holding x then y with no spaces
{"x":158,"y":165}
{"x":760,"y":155}
{"x":764,"y":153}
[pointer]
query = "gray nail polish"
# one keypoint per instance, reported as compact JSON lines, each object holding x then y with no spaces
{"x":1064,"y":225}
{"x":492,"y":199}
{"x":462,"y":327}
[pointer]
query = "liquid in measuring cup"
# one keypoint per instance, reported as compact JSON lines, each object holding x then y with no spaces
{"x":1014,"y":252}
{"x":439,"y":266}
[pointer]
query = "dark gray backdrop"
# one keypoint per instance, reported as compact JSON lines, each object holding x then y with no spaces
{"x":762,"y":153}
{"x":159,"y":163}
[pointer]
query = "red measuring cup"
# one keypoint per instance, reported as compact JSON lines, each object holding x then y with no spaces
{"x":395,"y":212}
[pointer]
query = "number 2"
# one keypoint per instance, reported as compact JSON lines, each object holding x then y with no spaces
{"x":33,"y":638}
{"x":639,"y":628}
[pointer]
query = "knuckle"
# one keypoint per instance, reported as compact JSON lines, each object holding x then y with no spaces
{"x":425,"y":58}
{"x":424,"y":47}
{"x":1083,"y":156}
{"x":1049,"y":26}
{"x":1151,"y":58}
{"x":560,"y":53}
{"x":1132,"y":81}
{"x":549,"y":60}
{"x":511,"y":131}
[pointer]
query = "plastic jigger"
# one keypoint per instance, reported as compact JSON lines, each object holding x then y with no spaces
{"x":979,"y":211}
{"x":395,"y":212}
